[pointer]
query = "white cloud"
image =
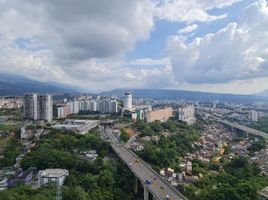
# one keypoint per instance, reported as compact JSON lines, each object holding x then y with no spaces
{"x":149,"y":61}
{"x":190,"y":10}
{"x":237,"y":52}
{"x":188,"y":29}
{"x":83,"y":42}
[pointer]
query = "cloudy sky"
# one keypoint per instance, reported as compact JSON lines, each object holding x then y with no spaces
{"x":208,"y":45}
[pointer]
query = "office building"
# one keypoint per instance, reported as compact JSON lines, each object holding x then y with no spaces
{"x":49,"y":175}
{"x":160,"y":114}
{"x":128,"y":101}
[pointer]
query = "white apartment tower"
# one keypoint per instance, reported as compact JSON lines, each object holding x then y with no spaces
{"x":128,"y":101}
{"x":253,"y":115}
{"x":114,"y":106}
{"x":187,"y":114}
{"x":93,"y":106}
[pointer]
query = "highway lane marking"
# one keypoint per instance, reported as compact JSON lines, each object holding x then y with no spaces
{"x":154,"y":182}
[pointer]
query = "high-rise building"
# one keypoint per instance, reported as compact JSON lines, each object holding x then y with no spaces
{"x":84,"y":105}
{"x":93,"y":106}
{"x":44,"y":107}
{"x":105,"y":106}
{"x":30,"y":106}
{"x":128,"y":101}
{"x":187,"y":114}
{"x":76,"y":106}
{"x":114,"y":106}
{"x":38,"y":107}
{"x":63,"y":111}
{"x":253,"y":115}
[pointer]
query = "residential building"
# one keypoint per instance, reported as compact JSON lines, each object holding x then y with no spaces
{"x":49,"y":175}
{"x":20,"y":177}
{"x":253,"y":116}
{"x":30,"y":106}
{"x":160,"y":114}
{"x":38,"y":107}
{"x":104,"y":106}
{"x":45,"y":107}
{"x":63,"y":111}
{"x":114,"y":106}
{"x":187,"y":114}
{"x":93,"y":106}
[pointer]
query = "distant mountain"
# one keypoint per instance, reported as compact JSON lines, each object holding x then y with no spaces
{"x":263,"y":93}
{"x":17,"y":85}
{"x":187,"y":95}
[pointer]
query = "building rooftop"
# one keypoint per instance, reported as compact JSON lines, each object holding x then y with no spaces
{"x":54,"y":173}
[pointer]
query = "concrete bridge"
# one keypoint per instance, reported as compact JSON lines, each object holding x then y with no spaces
{"x":154,"y":185}
{"x":245,"y":129}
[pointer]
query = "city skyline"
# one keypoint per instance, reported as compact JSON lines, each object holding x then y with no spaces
{"x":214,"y":46}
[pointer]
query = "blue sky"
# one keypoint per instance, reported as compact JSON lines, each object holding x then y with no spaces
{"x":154,"y":46}
{"x":208,"y":45}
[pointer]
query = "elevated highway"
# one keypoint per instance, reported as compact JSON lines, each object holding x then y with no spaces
{"x":159,"y":188}
{"x":244,"y":128}
{"x":237,"y":126}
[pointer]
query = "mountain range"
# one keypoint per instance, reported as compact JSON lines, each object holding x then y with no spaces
{"x":187,"y":95}
{"x":17,"y":85}
{"x":263,"y":93}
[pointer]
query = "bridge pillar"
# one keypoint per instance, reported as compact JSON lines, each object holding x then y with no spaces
{"x":136,"y":186}
{"x":146,"y":194}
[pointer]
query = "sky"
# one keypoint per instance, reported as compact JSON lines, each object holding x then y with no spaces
{"x":99,"y":45}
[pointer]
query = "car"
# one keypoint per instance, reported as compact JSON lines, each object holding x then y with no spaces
{"x":130,"y":164}
{"x":161,"y":187}
{"x":154,"y":177}
{"x":167,"y":197}
{"x":148,"y":181}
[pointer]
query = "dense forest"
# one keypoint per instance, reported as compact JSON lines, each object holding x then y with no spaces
{"x":101,"y":179}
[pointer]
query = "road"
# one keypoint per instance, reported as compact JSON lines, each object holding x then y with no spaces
{"x":244,"y":128}
{"x":159,"y":187}
{"x":238,"y":126}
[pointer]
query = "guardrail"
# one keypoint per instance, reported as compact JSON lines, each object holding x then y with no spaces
{"x":151,"y":169}
{"x":156,"y":174}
